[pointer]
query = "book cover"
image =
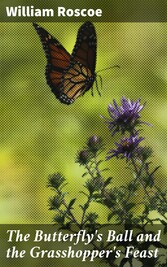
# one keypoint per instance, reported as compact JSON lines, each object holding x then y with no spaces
{"x":83,"y":133}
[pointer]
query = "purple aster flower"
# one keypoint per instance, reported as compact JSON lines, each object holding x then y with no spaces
{"x":127,"y":147}
{"x":124,"y":118}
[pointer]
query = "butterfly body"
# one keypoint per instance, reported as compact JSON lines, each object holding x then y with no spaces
{"x":70,"y":76}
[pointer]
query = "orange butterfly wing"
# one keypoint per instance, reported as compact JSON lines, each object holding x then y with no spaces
{"x":80,"y":74}
{"x":58,"y":59}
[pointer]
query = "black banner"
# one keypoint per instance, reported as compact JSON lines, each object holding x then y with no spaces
{"x":73,"y":11}
{"x":32,"y":245}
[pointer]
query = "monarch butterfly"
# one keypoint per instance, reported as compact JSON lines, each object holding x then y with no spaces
{"x":70,"y":76}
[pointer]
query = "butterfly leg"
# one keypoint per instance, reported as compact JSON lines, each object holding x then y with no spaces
{"x":97,"y":88}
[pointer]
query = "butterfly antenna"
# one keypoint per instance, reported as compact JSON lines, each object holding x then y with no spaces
{"x":115,"y":66}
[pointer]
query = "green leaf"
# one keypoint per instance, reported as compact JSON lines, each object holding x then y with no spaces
{"x":129,"y":206}
{"x":110,"y":215}
{"x":96,"y":196}
{"x":71,"y":203}
{"x":81,"y":207}
{"x":99,"y":162}
{"x":155,"y":170}
{"x":92,"y":217}
{"x":55,"y":202}
{"x":84,"y":207}
{"x":84,"y":174}
{"x":82,"y":192}
{"x":56,"y":180}
{"x":108,"y":181}
{"x":132,"y":186}
{"x":165,"y":226}
{"x":59,"y":219}
{"x":146,"y":210}
{"x":148,"y":179}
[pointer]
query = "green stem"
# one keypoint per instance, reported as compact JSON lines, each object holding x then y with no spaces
{"x":89,"y":171}
{"x":70,"y":216}
{"x":138,"y":172}
{"x":164,"y":199}
{"x":89,"y":197}
{"x":83,"y":221}
{"x":70,"y":213}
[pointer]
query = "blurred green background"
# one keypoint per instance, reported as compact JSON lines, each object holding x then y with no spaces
{"x":40,"y":136}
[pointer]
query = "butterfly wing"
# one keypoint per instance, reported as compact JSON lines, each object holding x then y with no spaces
{"x":58,"y":59}
{"x":80,"y":74}
{"x":85,"y":48}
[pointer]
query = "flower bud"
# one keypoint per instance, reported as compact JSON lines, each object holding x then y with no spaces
{"x":83,"y":157}
{"x":94,"y":143}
